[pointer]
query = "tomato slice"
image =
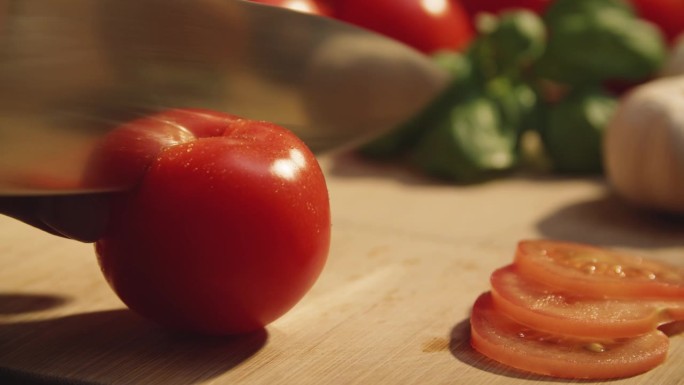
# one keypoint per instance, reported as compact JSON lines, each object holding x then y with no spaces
{"x":545,"y":308}
{"x":508,"y":342}
{"x":593,"y":271}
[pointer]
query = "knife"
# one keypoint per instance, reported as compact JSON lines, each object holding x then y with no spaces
{"x":71,"y":70}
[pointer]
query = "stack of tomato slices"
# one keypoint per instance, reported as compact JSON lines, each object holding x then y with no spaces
{"x":577,"y":311}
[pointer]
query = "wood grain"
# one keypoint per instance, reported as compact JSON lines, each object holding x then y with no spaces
{"x":409,"y":257}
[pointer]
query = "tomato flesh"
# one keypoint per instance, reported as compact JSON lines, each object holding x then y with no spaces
{"x":499,"y":337}
{"x":592,"y":271}
{"x":572,"y":310}
{"x":545,"y":308}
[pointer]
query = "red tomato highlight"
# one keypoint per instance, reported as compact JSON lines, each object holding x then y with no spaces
{"x":499,"y":337}
{"x":227,"y":228}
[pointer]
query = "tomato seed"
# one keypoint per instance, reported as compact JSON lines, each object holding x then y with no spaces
{"x":595,"y":347}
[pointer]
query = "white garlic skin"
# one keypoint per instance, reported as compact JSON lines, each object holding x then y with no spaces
{"x":644,"y":146}
{"x":674,"y":64}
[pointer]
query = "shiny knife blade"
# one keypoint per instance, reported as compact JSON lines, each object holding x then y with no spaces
{"x":70,"y":70}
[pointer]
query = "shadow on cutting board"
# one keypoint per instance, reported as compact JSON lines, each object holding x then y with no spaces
{"x":115,"y":346}
{"x":17,"y":303}
{"x":459,"y":346}
{"x":607,"y":221}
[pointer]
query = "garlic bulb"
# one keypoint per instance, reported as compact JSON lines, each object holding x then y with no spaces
{"x":674,"y":64}
{"x":644,"y":146}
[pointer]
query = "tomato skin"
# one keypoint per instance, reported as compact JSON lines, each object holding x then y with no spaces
{"x":542,"y":307}
{"x":508,"y":342}
{"x":425,"y":26}
{"x":223,"y":234}
{"x":592,"y":271}
{"x":125,"y":153}
{"x":668,"y":15}
{"x":474,"y":7}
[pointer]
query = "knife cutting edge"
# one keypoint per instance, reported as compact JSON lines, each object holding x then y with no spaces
{"x":71,"y":70}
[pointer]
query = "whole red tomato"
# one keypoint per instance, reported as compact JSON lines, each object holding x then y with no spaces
{"x":308,"y":6}
{"x":666,"y":14}
{"x":426,"y":25}
{"x":227,"y":227}
{"x":497,"y":6}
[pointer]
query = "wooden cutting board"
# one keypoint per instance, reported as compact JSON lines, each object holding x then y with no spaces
{"x":409,"y":256}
